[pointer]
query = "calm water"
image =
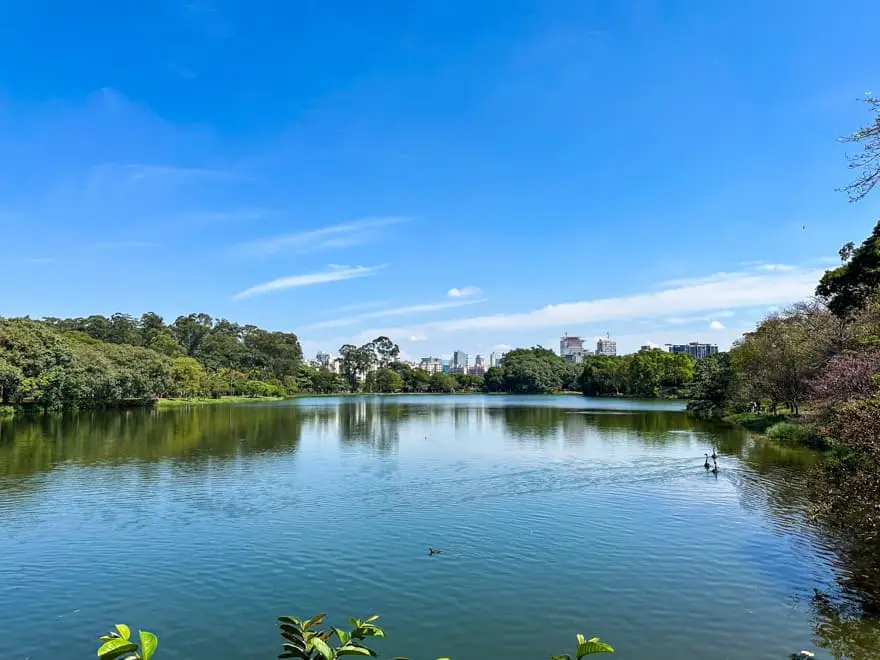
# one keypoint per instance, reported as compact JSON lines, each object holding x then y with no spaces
{"x":556,"y":515}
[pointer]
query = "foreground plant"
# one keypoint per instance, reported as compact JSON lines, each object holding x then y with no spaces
{"x":586,"y":647}
{"x":303,"y":639}
{"x":117,"y":645}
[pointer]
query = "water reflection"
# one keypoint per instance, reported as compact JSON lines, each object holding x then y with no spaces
{"x":567,"y":444}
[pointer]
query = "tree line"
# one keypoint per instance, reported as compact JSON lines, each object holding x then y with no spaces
{"x":813,"y":370}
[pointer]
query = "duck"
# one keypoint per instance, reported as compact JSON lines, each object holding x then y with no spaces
{"x":715,"y":468}
{"x":432,"y":552}
{"x":706,"y":464}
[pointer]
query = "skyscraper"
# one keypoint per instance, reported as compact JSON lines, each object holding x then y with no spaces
{"x":459,"y":363}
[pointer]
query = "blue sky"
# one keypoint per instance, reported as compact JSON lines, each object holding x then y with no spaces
{"x":455,"y":175}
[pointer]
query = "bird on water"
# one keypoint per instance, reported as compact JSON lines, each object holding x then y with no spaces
{"x":706,"y":464}
{"x":714,"y":455}
{"x":715,"y":468}
{"x":432,"y":552}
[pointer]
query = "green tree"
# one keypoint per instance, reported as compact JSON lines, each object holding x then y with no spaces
{"x":442,"y":383}
{"x":188,"y":376}
{"x":162,"y":342}
{"x":190,"y":331}
{"x":384,"y":380}
{"x":713,"y":387}
{"x":851,"y":285}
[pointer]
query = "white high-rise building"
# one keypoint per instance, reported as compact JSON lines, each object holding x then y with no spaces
{"x":572,"y":349}
{"x":431,"y":364}
{"x":495,"y":359}
{"x":606,"y":347}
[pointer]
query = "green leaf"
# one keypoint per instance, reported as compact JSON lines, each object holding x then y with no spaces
{"x":581,"y":639}
{"x":592,"y":646}
{"x":112,"y":649}
{"x":124,"y":631}
{"x":291,"y":620}
{"x":291,"y":651}
{"x":321,"y":647}
{"x":149,"y":642}
{"x":561,"y":657}
{"x":341,"y":634}
{"x":370,"y":630}
{"x":356,"y":650}
{"x":372,"y":618}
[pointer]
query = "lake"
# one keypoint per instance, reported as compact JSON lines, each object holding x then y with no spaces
{"x":556,"y":515}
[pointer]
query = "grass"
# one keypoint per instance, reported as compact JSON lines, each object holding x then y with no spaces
{"x":201,"y":401}
{"x":791,"y":433}
{"x":755,"y":422}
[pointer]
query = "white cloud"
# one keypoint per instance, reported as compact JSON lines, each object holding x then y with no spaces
{"x":776,"y":267}
{"x":396,"y":311}
{"x":333,"y":236}
{"x":418,"y":338}
{"x":682,"y":320}
{"x":464,"y":292}
{"x":331,"y":274}
{"x":717,"y":325}
{"x":708,"y":294}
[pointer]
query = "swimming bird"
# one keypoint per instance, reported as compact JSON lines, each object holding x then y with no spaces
{"x":714,"y":455}
{"x":706,"y":464}
{"x":432,"y":552}
{"x":715,"y":469}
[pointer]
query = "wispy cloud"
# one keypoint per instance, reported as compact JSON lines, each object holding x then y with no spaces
{"x":464,"y":292}
{"x":717,"y":325}
{"x":331,"y":274}
{"x":37,"y":261}
{"x":776,"y":267}
{"x":682,"y":320}
{"x":418,"y":338}
{"x":122,"y":245}
{"x":707,"y":294}
{"x":396,"y":311}
{"x":333,"y":236}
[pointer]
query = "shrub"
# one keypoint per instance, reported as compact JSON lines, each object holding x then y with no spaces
{"x":796,"y":434}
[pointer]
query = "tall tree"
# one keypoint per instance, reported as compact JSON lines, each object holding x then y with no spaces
{"x":190,"y":331}
{"x":851,"y":285}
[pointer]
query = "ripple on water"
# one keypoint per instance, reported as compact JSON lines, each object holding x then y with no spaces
{"x":550,"y":523}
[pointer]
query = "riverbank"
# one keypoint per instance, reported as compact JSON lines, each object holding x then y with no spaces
{"x":782,"y":427}
{"x":204,"y":401}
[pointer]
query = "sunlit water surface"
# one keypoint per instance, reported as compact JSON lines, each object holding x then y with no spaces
{"x":556,"y":515}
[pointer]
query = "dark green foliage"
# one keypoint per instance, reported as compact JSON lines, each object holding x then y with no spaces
{"x":99,"y":361}
{"x":535,"y":370}
{"x":848,"y":287}
{"x":649,"y":373}
{"x":713,"y":387}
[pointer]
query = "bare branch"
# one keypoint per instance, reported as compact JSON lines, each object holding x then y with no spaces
{"x":868,"y":161}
